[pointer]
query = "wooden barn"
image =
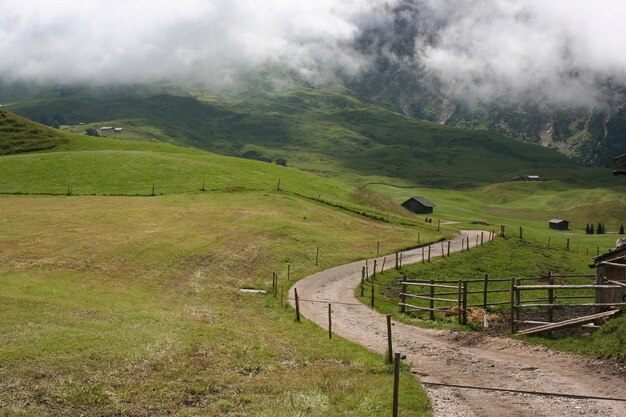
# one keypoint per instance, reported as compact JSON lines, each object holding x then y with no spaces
{"x":264,"y":159}
{"x":620,"y":163}
{"x":558,"y":224}
{"x":281,"y":162}
{"x":418,"y":205}
{"x":611,"y":269}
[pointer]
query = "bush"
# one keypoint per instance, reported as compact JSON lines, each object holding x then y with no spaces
{"x":91,"y":132}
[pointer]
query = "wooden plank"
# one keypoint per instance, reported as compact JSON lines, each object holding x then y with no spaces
{"x":621,"y":284}
{"x":565,"y":287}
{"x":575,"y":305}
{"x":429,"y":285}
{"x":568,"y":323}
{"x":613,"y":264}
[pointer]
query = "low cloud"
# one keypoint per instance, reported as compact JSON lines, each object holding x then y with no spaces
{"x":563,"y":52}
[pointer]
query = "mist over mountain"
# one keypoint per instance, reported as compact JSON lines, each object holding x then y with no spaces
{"x":550,"y":73}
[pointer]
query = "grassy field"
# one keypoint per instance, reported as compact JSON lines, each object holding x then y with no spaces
{"x":120,"y":305}
{"x":21,"y":135}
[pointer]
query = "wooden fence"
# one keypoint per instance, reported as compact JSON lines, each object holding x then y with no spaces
{"x":551,"y":292}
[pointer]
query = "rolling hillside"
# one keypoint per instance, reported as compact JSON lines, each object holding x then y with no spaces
{"x":325,"y":130}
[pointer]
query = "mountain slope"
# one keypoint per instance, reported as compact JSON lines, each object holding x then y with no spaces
{"x":326,"y":130}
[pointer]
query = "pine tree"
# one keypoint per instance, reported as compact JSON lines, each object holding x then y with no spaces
{"x":621,"y":229}
{"x":599,"y":229}
{"x":587,"y":229}
{"x":591,"y":231}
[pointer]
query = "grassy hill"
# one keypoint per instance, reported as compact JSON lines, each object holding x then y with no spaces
{"x":325,"y":130}
{"x":19,"y":135}
{"x":130,"y":305}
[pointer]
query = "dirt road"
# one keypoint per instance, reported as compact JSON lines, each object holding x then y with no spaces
{"x":465,"y":359}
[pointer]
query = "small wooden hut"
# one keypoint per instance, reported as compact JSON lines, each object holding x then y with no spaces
{"x":620,"y":163}
{"x":281,"y":162}
{"x":418,"y":205}
{"x":611,"y":266}
{"x":558,"y":224}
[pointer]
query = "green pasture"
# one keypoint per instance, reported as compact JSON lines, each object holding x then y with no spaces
{"x":131,"y":305}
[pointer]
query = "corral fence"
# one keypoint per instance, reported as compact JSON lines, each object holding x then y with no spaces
{"x":550,"y":292}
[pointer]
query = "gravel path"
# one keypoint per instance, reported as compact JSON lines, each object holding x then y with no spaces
{"x":466,"y":358}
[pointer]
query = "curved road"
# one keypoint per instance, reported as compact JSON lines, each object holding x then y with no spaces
{"x":463,"y":358}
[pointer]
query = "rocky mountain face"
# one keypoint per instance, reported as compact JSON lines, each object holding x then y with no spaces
{"x":590,"y":134}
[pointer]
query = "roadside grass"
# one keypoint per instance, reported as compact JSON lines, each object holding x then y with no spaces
{"x":119,"y":305}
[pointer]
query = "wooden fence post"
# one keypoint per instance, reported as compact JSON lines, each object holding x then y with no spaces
{"x":397,"y":261}
{"x":549,"y":237}
{"x":288,"y":272}
{"x":400,"y":260}
{"x":512,"y":305}
{"x":550,"y":297}
{"x":485,"y":287}
{"x":518,"y":299}
{"x":153,"y":190}
{"x":295,"y":291}
{"x":275,"y":283}
{"x":278,"y":185}
{"x":317,"y":256}
{"x":438,"y":224}
{"x":372,"y":301}
{"x":423,"y":254}
{"x":476,"y":245}
{"x":418,"y":238}
{"x":460,"y":301}
{"x":382,"y":268}
{"x":521,"y":233}
{"x":567,"y":245}
{"x":482,"y":238}
{"x":432,"y":300}
{"x":362,"y":281}
{"x":374,"y":274}
{"x":403,"y":297}
{"x":428,"y":253}
{"x":330,"y":321}
{"x":468,"y":246}
{"x":377,"y":248}
{"x":464,"y":302}
{"x":442,"y":251}
{"x":389,"y":342}
{"x":462,"y":245}
{"x":282,"y":289}
{"x":448,"y":248}
{"x":396,"y":384}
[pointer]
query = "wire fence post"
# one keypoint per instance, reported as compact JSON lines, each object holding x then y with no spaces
{"x":295,"y":292}
{"x":330,"y":321}
{"x":389,"y":341}
{"x":485,"y":287}
{"x":396,"y":384}
{"x":362,"y":281}
{"x":372,"y":301}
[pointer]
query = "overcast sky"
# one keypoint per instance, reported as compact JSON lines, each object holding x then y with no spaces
{"x":484,"y":48}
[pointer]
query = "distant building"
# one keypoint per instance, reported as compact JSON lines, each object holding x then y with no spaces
{"x":281,"y":162}
{"x":418,"y":205}
{"x":527,"y":178}
{"x":264,"y":159}
{"x":110,"y":129}
{"x":620,"y":162}
{"x":558,"y":224}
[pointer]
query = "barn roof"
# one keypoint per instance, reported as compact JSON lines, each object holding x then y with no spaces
{"x":620,"y":161}
{"x":557,"y":221}
{"x":615,"y":254}
{"x":422,"y":200}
